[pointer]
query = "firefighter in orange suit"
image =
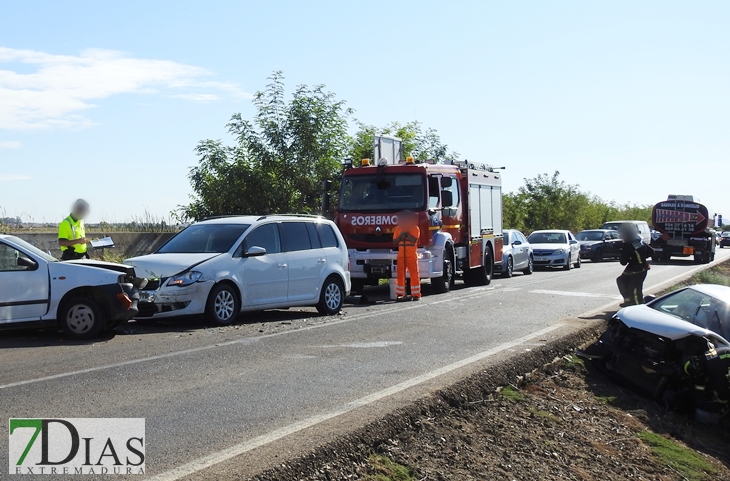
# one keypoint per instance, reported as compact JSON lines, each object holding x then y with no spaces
{"x":406,"y":237}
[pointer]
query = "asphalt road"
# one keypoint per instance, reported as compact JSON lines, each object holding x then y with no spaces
{"x":209,"y":394}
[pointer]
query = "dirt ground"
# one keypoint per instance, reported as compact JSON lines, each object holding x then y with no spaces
{"x":567,"y":422}
{"x":564,"y":421}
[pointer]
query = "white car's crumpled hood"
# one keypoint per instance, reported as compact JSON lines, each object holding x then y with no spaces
{"x":650,"y":320}
{"x":166,"y":265}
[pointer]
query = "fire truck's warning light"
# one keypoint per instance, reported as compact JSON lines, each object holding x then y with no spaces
{"x":364,"y":162}
{"x":409,"y":160}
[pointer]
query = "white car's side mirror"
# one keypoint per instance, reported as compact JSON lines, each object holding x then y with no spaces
{"x":255,"y":251}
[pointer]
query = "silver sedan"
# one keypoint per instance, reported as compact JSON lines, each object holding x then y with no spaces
{"x":516,"y":254}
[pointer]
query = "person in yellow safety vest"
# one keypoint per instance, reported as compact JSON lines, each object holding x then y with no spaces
{"x":72,"y":234}
{"x":406,"y":237}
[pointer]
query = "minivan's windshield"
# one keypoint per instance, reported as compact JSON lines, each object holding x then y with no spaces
{"x":547,"y":238}
{"x":377,"y":193}
{"x":589,"y":235}
{"x":204,"y":238}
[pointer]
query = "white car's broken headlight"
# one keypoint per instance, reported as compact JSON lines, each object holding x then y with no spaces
{"x":185,"y":279}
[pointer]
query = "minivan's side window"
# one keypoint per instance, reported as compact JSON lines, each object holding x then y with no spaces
{"x":327,"y":235}
{"x":266,"y":236}
{"x":294,"y":236}
{"x":313,"y":236}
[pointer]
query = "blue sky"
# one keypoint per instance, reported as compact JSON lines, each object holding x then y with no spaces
{"x":106,"y":100}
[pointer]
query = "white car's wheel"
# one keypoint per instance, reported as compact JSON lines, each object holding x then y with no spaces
{"x":81,"y":318}
{"x":332,"y":297}
{"x":223,"y":305}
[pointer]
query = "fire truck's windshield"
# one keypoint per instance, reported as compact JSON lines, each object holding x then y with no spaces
{"x":378,"y":193}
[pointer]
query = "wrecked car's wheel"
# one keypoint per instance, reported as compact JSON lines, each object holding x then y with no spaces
{"x":223,"y":305}
{"x":81,"y":318}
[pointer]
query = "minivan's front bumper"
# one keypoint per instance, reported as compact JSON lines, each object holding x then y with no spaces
{"x":169,"y":301}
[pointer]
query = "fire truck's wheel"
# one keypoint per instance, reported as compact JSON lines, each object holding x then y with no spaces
{"x":483,"y":275}
{"x":444,"y":283}
{"x":357,"y":286}
{"x":332,"y":297}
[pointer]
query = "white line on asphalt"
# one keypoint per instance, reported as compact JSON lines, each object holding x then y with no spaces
{"x":245,"y":340}
{"x":473,"y":292}
{"x":572,"y":294}
{"x":241,"y":448}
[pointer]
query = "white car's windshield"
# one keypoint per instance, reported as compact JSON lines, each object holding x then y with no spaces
{"x":698,"y":308}
{"x":589,"y":235}
{"x":547,"y":238}
{"x":30,"y":248}
{"x":204,"y":238}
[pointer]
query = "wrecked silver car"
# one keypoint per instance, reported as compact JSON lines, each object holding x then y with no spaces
{"x":674,"y":348}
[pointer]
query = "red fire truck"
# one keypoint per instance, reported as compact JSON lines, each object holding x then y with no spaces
{"x":460,"y":210}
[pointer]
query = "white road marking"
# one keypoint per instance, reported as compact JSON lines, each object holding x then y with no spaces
{"x":472,"y":292}
{"x":368,"y":345}
{"x":572,"y":294}
{"x":245,"y":340}
{"x":241,"y":448}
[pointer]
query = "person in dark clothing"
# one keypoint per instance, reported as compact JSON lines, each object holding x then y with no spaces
{"x":634,"y":255}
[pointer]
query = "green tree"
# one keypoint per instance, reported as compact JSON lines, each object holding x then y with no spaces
{"x":419,"y":143}
{"x":546,"y":202}
{"x":279,"y":159}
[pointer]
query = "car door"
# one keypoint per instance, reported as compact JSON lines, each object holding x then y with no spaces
{"x":523,"y":255}
{"x":613,"y":245}
{"x":265,"y":277}
{"x":25,"y":288}
{"x":574,"y":247}
{"x":306,"y":261}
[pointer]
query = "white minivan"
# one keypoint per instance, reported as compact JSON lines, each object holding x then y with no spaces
{"x":222,"y":266}
{"x":642,"y":227}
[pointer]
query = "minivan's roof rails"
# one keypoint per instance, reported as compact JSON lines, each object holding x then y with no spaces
{"x":222,"y":216}
{"x":310,"y":216}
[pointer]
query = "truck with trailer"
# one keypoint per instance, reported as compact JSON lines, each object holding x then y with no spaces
{"x":685,"y":226}
{"x":459,"y":206}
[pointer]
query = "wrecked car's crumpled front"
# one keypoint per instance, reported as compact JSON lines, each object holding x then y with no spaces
{"x":677,"y":363}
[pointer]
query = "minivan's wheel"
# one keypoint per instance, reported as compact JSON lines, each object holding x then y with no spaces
{"x":578,"y":263}
{"x":444,"y":283}
{"x":332,"y":296}
{"x":81,"y":318}
{"x":510,"y":269}
{"x":223,"y":305}
{"x":530,"y":267}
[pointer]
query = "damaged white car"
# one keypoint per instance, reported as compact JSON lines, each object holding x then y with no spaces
{"x":674,"y":348}
{"x":82,"y":297}
{"x":222,"y":266}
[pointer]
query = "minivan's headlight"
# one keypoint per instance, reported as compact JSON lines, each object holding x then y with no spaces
{"x":560,"y":251}
{"x":185,"y":279}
